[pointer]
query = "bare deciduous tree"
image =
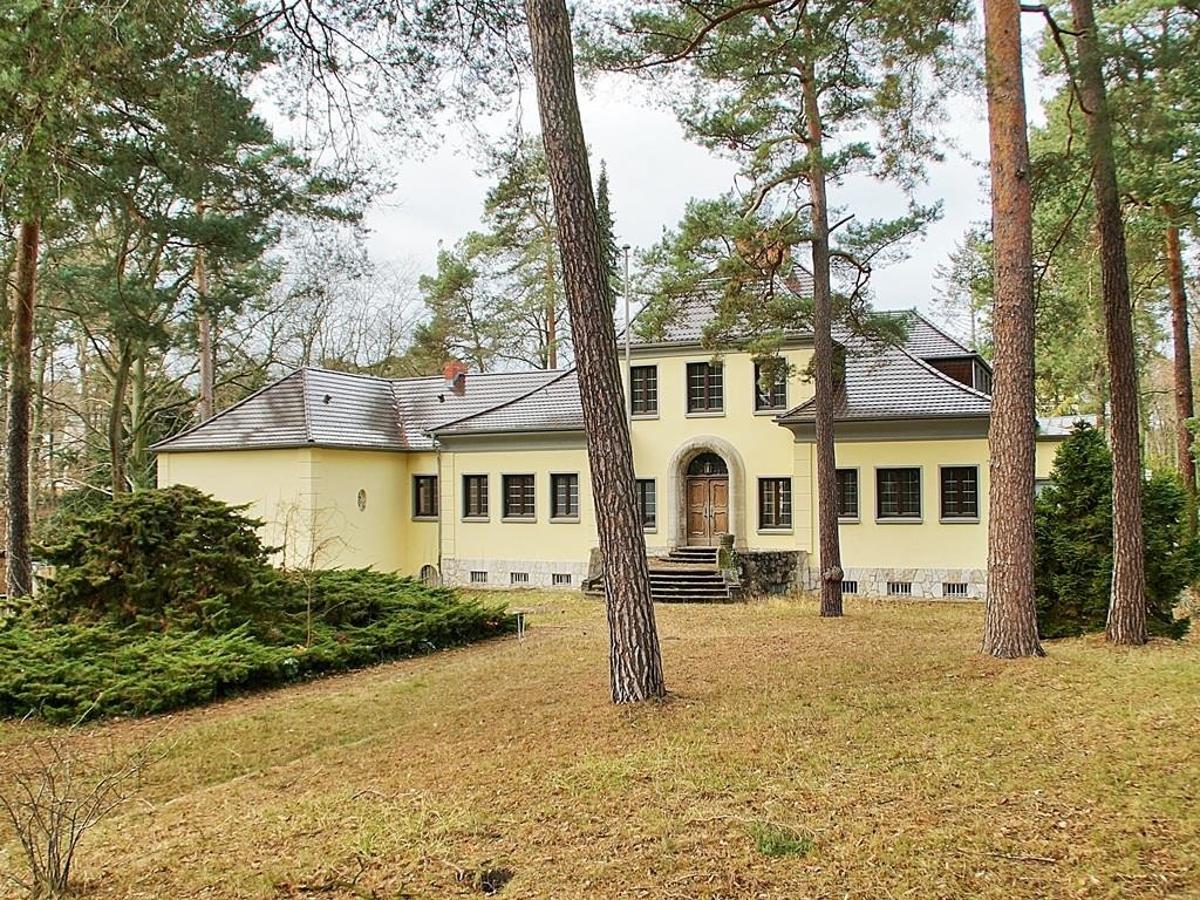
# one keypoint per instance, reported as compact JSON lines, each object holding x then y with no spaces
{"x":55,"y":795}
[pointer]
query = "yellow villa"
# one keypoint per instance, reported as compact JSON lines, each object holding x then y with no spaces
{"x":482,"y":479}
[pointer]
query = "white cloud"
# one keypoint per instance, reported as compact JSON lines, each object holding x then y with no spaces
{"x":654,"y":171}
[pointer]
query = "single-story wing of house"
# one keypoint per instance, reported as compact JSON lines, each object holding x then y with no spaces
{"x":483,"y":479}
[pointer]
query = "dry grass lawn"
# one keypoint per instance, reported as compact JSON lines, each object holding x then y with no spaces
{"x":891,"y":758}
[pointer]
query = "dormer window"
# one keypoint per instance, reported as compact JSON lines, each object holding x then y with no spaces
{"x":969,"y":370}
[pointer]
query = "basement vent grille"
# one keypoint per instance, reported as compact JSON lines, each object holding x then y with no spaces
{"x":478,"y":577}
{"x":899,"y":588}
{"x":561,"y":579}
{"x":954,"y":589}
{"x":518,"y":578}
{"x":849,"y":587}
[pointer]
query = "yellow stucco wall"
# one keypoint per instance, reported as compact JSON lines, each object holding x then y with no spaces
{"x":763,"y":448}
{"x":540,"y":539}
{"x":308,"y":498}
{"x":277,"y":484}
{"x":1047,"y":449}
{"x":929,"y":543}
{"x":377,"y":535}
{"x":420,"y":546}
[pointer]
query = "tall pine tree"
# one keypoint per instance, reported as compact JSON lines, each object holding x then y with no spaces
{"x":635,"y":662}
{"x":788,"y":90}
{"x":1127,"y":612}
{"x":1010,"y":622}
{"x":609,"y":251}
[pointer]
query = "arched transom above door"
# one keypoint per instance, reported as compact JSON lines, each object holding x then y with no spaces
{"x":707,"y":464}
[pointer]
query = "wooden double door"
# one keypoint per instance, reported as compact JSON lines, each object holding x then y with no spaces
{"x":707,"y":509}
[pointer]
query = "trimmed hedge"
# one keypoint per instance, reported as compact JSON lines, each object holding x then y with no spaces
{"x":67,"y":672}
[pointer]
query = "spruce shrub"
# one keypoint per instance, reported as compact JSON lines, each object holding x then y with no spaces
{"x":173,"y":557}
{"x":1074,"y":543}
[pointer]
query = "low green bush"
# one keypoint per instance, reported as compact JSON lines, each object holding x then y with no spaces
{"x":164,"y":599}
{"x":70,"y":671}
{"x":1074,"y":543}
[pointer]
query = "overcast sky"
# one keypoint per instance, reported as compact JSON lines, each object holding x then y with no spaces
{"x":654,"y":171}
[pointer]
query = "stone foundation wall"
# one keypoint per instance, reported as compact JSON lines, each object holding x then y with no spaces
{"x":924,"y":584}
{"x":457,"y":572}
{"x":765,"y":572}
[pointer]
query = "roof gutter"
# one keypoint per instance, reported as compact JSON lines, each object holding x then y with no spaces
{"x":789,"y":340}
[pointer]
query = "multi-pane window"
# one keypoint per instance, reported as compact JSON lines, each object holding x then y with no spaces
{"x":983,"y":378}
{"x":898,"y":493}
{"x":770,"y":385}
{"x":519,"y":499}
{"x":643,"y":390}
{"x":774,"y":503}
{"x":564,"y":496}
{"x":425,"y":496}
{"x":960,"y":492}
{"x":475,"y":496}
{"x":647,"y":502}
{"x":705,"y":387}
{"x":847,"y":486}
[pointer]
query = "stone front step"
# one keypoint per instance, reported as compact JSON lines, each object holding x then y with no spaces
{"x":687,"y":575}
{"x":708,"y":554}
{"x":706,"y":588}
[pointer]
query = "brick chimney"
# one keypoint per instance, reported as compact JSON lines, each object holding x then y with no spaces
{"x":455,"y":373}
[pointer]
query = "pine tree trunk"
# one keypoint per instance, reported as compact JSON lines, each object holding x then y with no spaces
{"x":138,"y":465}
{"x":20,"y":391}
{"x":7,"y":264}
{"x":1010,"y":626}
{"x":635,"y":663}
{"x":551,"y":289}
{"x":116,"y":420}
{"x":1127,"y":606}
{"x":204,"y":343}
{"x":828,"y":539}
{"x":37,"y":415}
{"x":1185,"y":407}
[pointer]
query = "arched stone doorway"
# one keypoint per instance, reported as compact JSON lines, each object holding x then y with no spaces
{"x":706,"y":493}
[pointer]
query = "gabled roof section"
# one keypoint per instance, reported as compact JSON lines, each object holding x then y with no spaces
{"x":323,"y":408}
{"x":552,"y":406}
{"x":891,"y":382}
{"x":927,"y":341}
{"x":309,"y":407}
{"x":426,"y":405}
{"x":691,"y":313}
